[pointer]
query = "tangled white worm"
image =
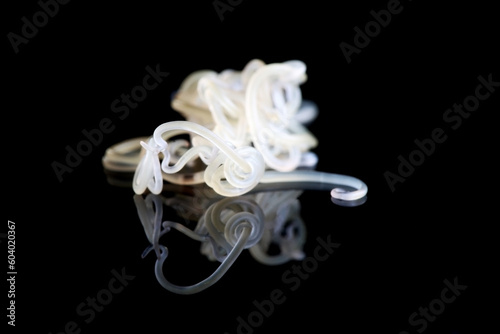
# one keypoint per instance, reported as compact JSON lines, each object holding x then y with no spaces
{"x":247,"y":128}
{"x":230,"y":171}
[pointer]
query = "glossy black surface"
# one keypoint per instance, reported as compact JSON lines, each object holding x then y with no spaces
{"x":81,"y":238}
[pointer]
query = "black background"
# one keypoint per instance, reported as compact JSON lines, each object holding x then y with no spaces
{"x":396,"y":250}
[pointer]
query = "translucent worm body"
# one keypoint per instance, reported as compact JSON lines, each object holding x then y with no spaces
{"x":246,"y":127}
